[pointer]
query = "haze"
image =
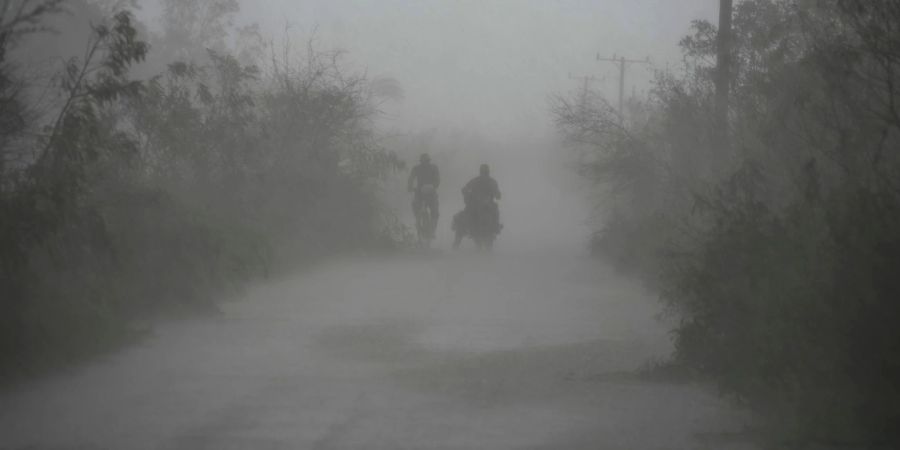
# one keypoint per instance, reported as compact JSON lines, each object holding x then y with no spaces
{"x":351,"y":224}
{"x":485,"y":66}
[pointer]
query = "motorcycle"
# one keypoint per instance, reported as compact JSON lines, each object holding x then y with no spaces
{"x":478,"y":221}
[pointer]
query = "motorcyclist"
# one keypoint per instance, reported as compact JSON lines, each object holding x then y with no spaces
{"x":485,"y":188}
{"x":424,"y":180}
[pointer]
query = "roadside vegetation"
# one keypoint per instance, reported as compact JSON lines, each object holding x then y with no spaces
{"x":162,"y":171}
{"x":776,"y":240}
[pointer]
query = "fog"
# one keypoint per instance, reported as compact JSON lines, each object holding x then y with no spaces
{"x":220,"y":227}
{"x":486,"y":67}
{"x":489,"y":66}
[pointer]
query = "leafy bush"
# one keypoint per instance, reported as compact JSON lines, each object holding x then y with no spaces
{"x":777,"y":252}
{"x":142,"y":197}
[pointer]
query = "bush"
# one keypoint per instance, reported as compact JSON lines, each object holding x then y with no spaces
{"x":778,"y":253}
{"x":166,"y":195}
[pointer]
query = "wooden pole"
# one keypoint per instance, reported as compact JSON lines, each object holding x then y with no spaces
{"x":623,"y":64}
{"x":723,"y":62}
{"x":622,"y":86}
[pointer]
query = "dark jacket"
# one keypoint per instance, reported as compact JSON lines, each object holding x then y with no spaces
{"x":422,"y":174}
{"x":481,"y":187}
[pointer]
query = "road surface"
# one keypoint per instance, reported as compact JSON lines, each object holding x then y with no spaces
{"x":443,"y":351}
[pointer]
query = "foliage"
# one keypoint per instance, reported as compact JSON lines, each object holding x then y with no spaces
{"x":52,"y":233}
{"x":777,"y":252}
{"x":191,"y":27}
{"x":138,"y":197}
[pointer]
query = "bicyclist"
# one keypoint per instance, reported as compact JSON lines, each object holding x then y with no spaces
{"x":424,"y":180}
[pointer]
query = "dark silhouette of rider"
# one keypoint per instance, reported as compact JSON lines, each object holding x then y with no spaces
{"x":483,"y":188}
{"x":424,"y":180}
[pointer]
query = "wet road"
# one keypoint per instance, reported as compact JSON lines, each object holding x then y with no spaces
{"x":450,"y":351}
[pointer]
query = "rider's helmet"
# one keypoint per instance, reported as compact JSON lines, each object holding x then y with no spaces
{"x":484,"y":170}
{"x":425,"y":159}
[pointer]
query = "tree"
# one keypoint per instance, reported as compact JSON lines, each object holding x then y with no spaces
{"x":780,"y":264}
{"x":193,"y":26}
{"x":723,"y":63}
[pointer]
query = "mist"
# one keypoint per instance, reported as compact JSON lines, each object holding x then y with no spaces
{"x":488,"y":66}
{"x":449,"y":224}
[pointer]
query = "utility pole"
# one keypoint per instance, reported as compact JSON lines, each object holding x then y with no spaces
{"x":622,"y":62}
{"x":586,"y":81}
{"x":723,"y":62}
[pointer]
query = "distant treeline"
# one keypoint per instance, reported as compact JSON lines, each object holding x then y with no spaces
{"x":122,"y":197}
{"x":776,"y":239}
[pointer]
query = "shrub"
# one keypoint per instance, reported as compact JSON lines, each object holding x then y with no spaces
{"x":778,"y":253}
{"x":145,"y":197}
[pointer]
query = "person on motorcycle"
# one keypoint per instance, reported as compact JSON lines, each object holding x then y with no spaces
{"x":424,"y":180}
{"x":484,"y":188}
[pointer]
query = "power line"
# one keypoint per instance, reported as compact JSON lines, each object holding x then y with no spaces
{"x":622,"y":62}
{"x":586,"y":81}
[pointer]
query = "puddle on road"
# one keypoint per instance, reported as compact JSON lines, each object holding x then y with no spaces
{"x":525,"y":374}
{"x":387,"y":341}
{"x":578,"y":393}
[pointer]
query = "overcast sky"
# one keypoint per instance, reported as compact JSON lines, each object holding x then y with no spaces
{"x":487,"y":64}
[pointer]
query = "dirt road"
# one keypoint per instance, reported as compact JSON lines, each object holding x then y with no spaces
{"x":502,"y":351}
